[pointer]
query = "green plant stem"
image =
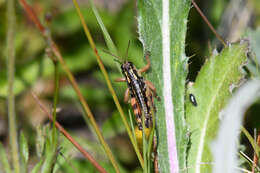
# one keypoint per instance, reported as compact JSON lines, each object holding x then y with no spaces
{"x":55,"y":99}
{"x":151,"y":136}
{"x":11,"y":97}
{"x":101,"y":65}
{"x":144,"y":145}
{"x":132,"y":126}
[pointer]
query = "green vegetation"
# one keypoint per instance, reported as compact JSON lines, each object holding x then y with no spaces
{"x":50,"y":65}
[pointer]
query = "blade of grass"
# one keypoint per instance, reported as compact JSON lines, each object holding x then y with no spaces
{"x":72,"y":80}
{"x":252,"y":141}
{"x":10,"y":13}
{"x":144,"y":146}
{"x":110,"y":44}
{"x":101,"y":65}
{"x":4,"y":161}
{"x":50,"y":154}
{"x":132,"y":125}
{"x":24,"y":153}
{"x":151,"y":136}
{"x":67,"y":135}
{"x":255,"y":154}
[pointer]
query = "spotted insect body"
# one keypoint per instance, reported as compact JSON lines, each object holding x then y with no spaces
{"x":141,"y":91}
{"x":137,"y":87}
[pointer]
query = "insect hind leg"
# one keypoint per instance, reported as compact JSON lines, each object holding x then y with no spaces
{"x":152,"y":88}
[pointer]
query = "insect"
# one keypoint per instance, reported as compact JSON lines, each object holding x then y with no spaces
{"x":141,"y":91}
{"x":193,"y":100}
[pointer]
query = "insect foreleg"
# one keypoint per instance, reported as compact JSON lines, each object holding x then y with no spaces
{"x":147,"y":66}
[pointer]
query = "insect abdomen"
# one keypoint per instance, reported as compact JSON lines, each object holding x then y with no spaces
{"x":137,"y":112}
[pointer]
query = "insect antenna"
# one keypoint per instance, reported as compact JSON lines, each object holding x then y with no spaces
{"x":117,"y":58}
{"x":126,"y":53}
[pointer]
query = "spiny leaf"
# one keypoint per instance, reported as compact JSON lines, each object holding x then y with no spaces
{"x":162,"y":27}
{"x":212,"y":89}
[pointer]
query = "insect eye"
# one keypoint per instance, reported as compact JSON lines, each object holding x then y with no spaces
{"x":193,"y":100}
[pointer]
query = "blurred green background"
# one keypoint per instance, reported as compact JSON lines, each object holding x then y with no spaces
{"x":234,"y":19}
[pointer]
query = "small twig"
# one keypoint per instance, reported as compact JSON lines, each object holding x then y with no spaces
{"x":255,"y":155}
{"x":30,"y":12}
{"x":10,"y":13}
{"x":67,"y":135}
{"x":208,"y":23}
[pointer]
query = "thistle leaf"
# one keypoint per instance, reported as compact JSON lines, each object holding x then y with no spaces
{"x":211,"y":90}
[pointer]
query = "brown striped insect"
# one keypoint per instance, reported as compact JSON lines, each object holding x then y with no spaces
{"x":141,"y":91}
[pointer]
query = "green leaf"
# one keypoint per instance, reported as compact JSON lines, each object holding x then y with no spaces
{"x":24,"y":152}
{"x":212,"y":89}
{"x":162,"y":27}
{"x":4,"y":160}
